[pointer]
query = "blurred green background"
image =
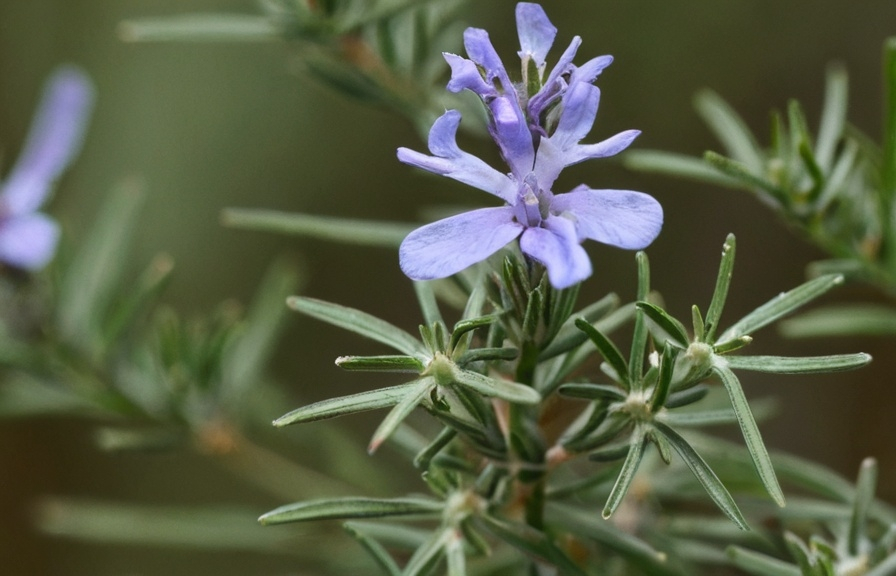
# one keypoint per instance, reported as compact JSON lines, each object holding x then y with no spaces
{"x":214,"y":125}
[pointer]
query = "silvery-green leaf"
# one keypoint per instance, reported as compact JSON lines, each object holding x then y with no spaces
{"x":200,"y":27}
{"x":345,"y":508}
{"x":679,"y":165}
{"x":782,"y":304}
{"x":730,"y":128}
{"x":332,"y":229}
{"x":667,"y":323}
{"x":360,"y":402}
{"x":705,"y":475}
{"x":374,"y":548}
{"x":360,"y":323}
{"x":799,"y":365}
{"x":510,"y":391}
{"x":380,"y":363}
{"x":750,"y":430}
{"x":627,"y":473}
{"x":720,"y":294}
{"x":396,"y":416}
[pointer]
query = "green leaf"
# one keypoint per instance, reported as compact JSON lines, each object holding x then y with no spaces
{"x":720,"y":294}
{"x":360,"y":323}
{"x":833,"y":115}
{"x":333,"y":407}
{"x":760,"y":564}
{"x":401,"y":411}
{"x":374,"y":548}
{"x":510,"y":391}
{"x":90,"y":282}
{"x":607,"y":349}
{"x":679,"y":165}
{"x":532,"y":542}
{"x":481,"y":354}
{"x":748,"y":179}
{"x":699,"y":418}
{"x":568,"y":337}
{"x":380,"y":363}
{"x":470,"y":324}
{"x":730,"y":129}
{"x":627,"y":473}
{"x":842,"y":320}
{"x":664,"y":381}
{"x":640,"y":334}
{"x":667,"y":323}
{"x":749,"y":429}
{"x":345,"y":508}
{"x":583,"y":522}
{"x":425,"y":456}
{"x":705,"y":475}
{"x":799,"y":365}
{"x":426,"y":556}
{"x":865,"y":488}
{"x":593,"y":391}
{"x":200,"y":27}
{"x":426,"y":297}
{"x":784,"y":303}
{"x":340,"y":230}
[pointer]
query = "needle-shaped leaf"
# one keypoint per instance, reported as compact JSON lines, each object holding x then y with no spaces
{"x":568,"y":337}
{"x":865,"y":488}
{"x":842,"y":320}
{"x":664,"y":381}
{"x":380,"y":363}
{"x":345,"y":508}
{"x":759,"y":564}
{"x":704,"y":474}
{"x":607,"y":349}
{"x":749,"y":429}
{"x":730,"y":128}
{"x":593,"y":391}
{"x":720,"y":294}
{"x":425,"y":456}
{"x":680,"y":165}
{"x":532,"y":542}
{"x":799,"y":365}
{"x":784,"y":303}
{"x":639,"y":336}
{"x":401,"y":411}
{"x":341,"y":230}
{"x":510,"y":391}
{"x":427,"y":300}
{"x":833,"y":115}
{"x":667,"y":323}
{"x":360,"y":323}
{"x":627,"y":473}
{"x":360,"y":402}
{"x":480,"y":354}
{"x":734,"y":169}
{"x":375,"y":549}
{"x":428,"y":553}
{"x":468,"y":325}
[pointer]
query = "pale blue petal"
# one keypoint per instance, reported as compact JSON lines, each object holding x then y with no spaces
{"x":466,"y":75}
{"x":511,"y":133}
{"x":590,"y":70}
{"x":556,"y":246}
{"x":609,"y":147}
{"x":54,"y":139}
{"x":535,"y":31}
{"x":621,"y":218}
{"x":554,"y":84}
{"x":28,"y":241}
{"x":580,"y":104}
{"x":549,"y":162}
{"x":451,"y":161}
{"x":480,"y":50}
{"x":448,"y":246}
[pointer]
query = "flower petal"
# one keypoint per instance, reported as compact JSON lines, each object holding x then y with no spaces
{"x":535,"y":31}
{"x":510,"y":132}
{"x":466,"y":75}
{"x":448,"y":246}
{"x":621,"y":218}
{"x":480,"y":50}
{"x":556,"y":246}
{"x":28,"y":241}
{"x":580,"y":102}
{"x":609,"y":147}
{"x":590,"y":70}
{"x":54,"y":139}
{"x":451,"y":161}
{"x":554,"y":84}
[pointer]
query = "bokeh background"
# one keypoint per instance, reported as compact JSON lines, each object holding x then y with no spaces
{"x":212,"y":125}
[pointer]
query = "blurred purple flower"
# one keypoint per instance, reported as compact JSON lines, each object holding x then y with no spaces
{"x":28,"y":238}
{"x":538,"y":134}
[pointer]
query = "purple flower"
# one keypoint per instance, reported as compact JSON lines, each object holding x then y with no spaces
{"x":27,"y":237}
{"x":538,"y":126}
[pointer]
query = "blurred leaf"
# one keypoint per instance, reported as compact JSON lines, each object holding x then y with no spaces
{"x":760,"y":564}
{"x":799,"y":365}
{"x":331,"y":229}
{"x":730,"y":129}
{"x":360,"y":402}
{"x":23,"y":396}
{"x":360,"y":323}
{"x":426,"y":556}
{"x":833,"y":115}
{"x":532,"y":542}
{"x":344,"y":508}
{"x":90,"y":282}
{"x":214,"y":27}
{"x":679,"y":165}
{"x":842,"y":320}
